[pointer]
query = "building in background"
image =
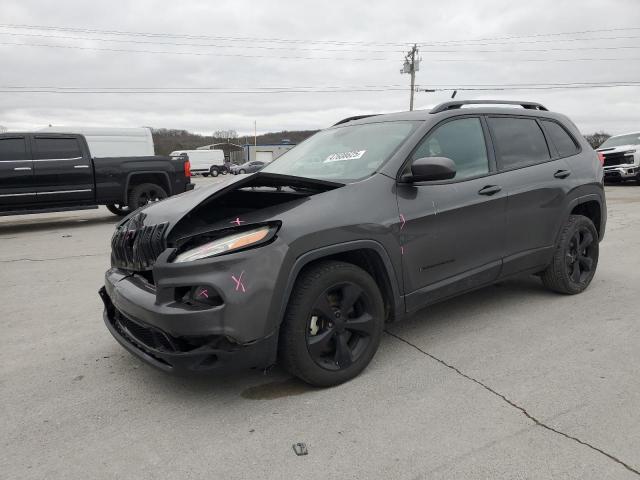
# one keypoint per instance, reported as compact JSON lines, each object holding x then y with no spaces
{"x":265,"y":153}
{"x":239,"y":154}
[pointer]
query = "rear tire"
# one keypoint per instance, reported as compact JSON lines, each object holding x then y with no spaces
{"x":117,"y":209}
{"x":575,"y":258}
{"x":333,"y":324}
{"x":214,"y":171}
{"x":144,"y":193}
{"x":242,"y":171}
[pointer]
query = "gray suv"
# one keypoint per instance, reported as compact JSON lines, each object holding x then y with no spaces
{"x":364,"y":223}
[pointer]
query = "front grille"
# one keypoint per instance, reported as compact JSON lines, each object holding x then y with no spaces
{"x":144,"y":336}
{"x":618,"y":158}
{"x":135,"y":246}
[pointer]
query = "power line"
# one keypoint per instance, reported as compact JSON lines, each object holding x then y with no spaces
{"x":324,"y":89}
{"x":281,"y":57}
{"x":307,"y":41}
{"x":182,"y":44}
{"x":341,"y":50}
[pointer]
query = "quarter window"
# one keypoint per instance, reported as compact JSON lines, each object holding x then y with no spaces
{"x":463,"y":142}
{"x":560,"y":138}
{"x":57,"y":148}
{"x":13,"y":149}
{"x":519,"y":142}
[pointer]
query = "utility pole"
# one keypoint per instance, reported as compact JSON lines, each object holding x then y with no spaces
{"x":255,"y":133}
{"x":411,"y":66}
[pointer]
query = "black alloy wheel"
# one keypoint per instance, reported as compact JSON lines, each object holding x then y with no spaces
{"x":145,"y":193}
{"x":333,"y":324}
{"x":340,"y":326}
{"x":580,"y":255}
{"x":118,"y":209}
{"x":575,"y":258}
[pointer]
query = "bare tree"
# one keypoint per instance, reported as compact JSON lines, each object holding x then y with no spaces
{"x":596,"y":139}
{"x":225,"y":134}
{"x":3,"y":129}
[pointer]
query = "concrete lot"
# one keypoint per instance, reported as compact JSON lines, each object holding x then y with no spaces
{"x":508,"y":382}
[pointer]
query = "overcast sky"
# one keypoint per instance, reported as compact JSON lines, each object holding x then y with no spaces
{"x":368,"y":39}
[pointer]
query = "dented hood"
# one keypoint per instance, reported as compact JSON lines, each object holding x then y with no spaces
{"x":174,"y":209}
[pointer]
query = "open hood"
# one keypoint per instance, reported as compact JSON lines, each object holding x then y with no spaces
{"x":215,"y":206}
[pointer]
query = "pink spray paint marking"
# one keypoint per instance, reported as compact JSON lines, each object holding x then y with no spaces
{"x":204,"y":293}
{"x":403,"y":221}
{"x":239,"y":284}
{"x":237,"y":221}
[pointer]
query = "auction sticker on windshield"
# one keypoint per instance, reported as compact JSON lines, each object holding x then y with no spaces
{"x":341,"y":157}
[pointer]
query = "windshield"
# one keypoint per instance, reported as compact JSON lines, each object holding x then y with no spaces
{"x":631,"y":139}
{"x":343,"y":154}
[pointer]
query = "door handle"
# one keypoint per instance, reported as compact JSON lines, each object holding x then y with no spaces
{"x":490,"y":190}
{"x":562,"y":174}
{"x":81,"y":166}
{"x":18,"y":169}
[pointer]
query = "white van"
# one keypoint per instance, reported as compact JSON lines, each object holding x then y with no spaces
{"x":113,"y":142}
{"x":206,"y":162}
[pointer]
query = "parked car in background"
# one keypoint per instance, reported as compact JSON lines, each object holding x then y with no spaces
{"x":47,"y":172}
{"x":364,"y":223}
{"x":621,"y":157}
{"x":112,"y":142}
{"x":205,"y":162}
{"x":248,"y":167}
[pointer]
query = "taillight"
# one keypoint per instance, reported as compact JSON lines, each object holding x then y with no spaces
{"x":187,"y":169}
{"x":601,"y":157}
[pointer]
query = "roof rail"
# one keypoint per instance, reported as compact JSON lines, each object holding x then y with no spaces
{"x":455,"y":104}
{"x":356,"y":117}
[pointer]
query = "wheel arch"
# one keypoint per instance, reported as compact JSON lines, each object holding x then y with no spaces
{"x":136,"y":178}
{"x":591,"y":207}
{"x":369,"y":255}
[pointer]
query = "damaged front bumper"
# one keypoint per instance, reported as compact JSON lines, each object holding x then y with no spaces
{"x":154,"y":323}
{"x":174,"y":355}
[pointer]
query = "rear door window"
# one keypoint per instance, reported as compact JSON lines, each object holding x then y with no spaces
{"x":462,"y":141}
{"x":13,"y":149}
{"x":519,"y":142}
{"x":55,"y":148}
{"x":564,"y":143}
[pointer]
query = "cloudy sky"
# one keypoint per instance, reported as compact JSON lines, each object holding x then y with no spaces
{"x":204,"y":66}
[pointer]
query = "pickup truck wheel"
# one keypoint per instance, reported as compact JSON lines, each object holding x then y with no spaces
{"x":214,"y":171}
{"x":117,"y":209}
{"x":144,"y":193}
{"x":333,"y":324}
{"x":575,"y":259}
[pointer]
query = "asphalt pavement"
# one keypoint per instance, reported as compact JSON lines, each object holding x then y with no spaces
{"x":510,"y":381}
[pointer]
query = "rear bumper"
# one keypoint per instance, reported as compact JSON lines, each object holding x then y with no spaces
{"x":189,"y":186}
{"x":192,"y":355}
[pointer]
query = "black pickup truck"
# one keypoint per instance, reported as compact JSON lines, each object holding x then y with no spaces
{"x":55,"y":172}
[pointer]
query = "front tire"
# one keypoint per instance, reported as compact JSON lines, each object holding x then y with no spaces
{"x":333,"y":324}
{"x":242,"y":171}
{"x":575,"y":259}
{"x":144,"y":193}
{"x":118,"y":209}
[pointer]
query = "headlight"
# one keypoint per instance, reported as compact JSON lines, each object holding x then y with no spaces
{"x":224,"y":245}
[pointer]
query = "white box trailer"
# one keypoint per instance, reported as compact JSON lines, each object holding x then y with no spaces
{"x":206,"y":162}
{"x":112,"y":142}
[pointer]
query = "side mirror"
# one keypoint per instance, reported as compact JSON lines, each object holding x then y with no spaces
{"x":431,"y":168}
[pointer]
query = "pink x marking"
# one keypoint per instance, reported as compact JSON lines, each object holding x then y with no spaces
{"x":203,"y":293}
{"x":237,"y":221}
{"x":403,"y":221}
{"x":239,"y":284}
